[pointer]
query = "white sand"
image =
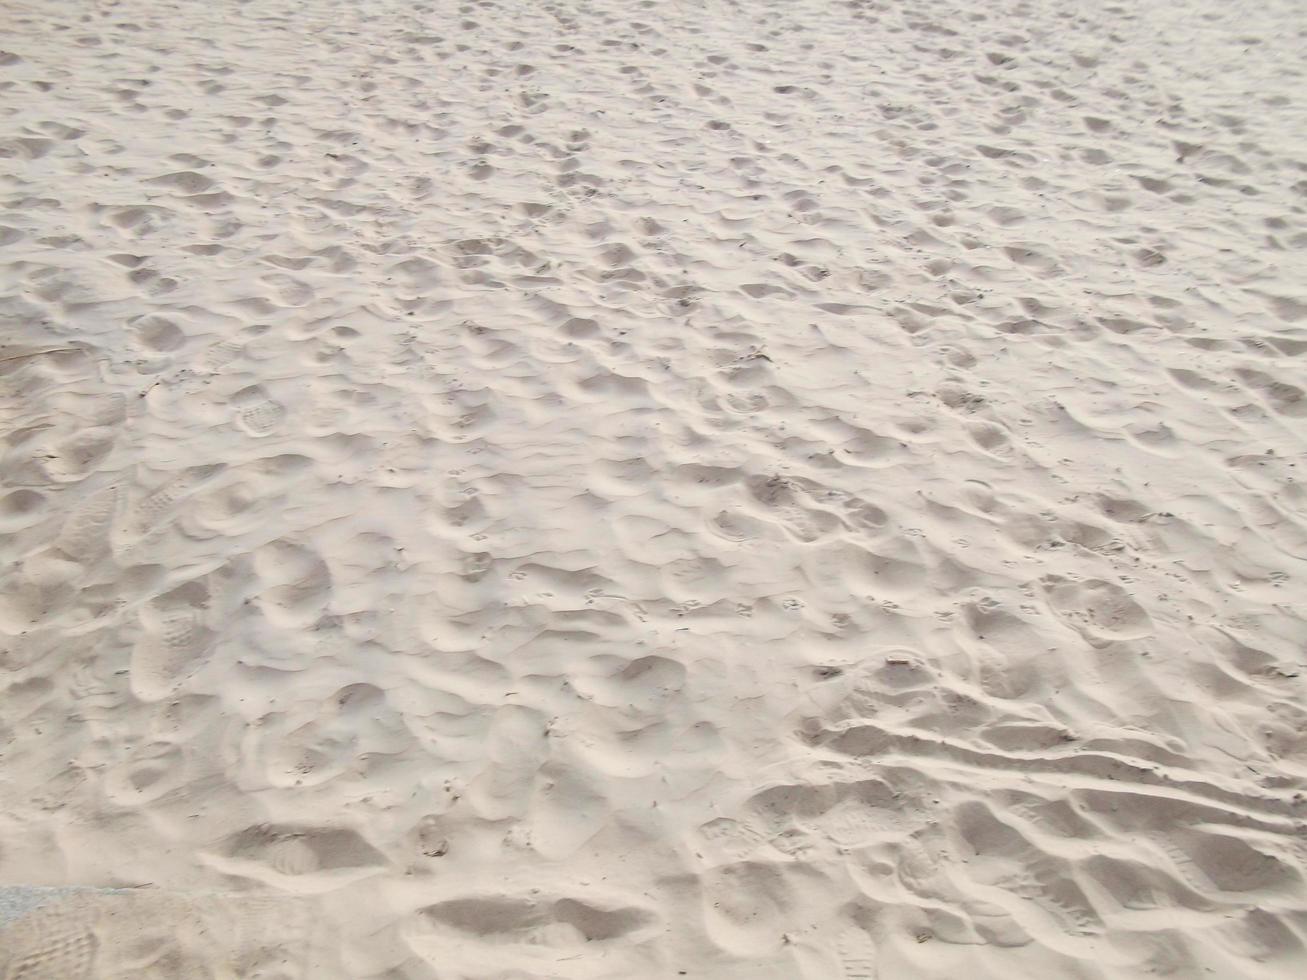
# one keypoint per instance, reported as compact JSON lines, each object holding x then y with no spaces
{"x":627,"y":489}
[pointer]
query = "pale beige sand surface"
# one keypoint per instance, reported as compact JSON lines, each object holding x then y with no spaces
{"x":647,"y":489}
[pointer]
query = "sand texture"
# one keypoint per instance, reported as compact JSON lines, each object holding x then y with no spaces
{"x":738,"y":490}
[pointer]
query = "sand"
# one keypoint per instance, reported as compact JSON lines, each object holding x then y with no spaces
{"x":598,"y":490}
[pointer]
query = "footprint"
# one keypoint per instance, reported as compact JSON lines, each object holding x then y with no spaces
{"x":147,"y":514}
{"x":294,"y":583}
{"x":154,"y":933}
{"x":725,"y":840}
{"x":219,"y":356}
{"x":256,"y":413}
{"x":80,"y":454}
{"x":85,"y":535}
{"x":780,"y":496}
{"x":297,"y":851}
{"x":56,"y":942}
{"x":522,"y":919}
{"x":989,"y":437}
{"x":157,"y":334}
{"x":184,"y":182}
{"x":1285,"y":398}
{"x":847,"y":814}
{"x":21,"y":508}
{"x":1100,"y":611}
{"x":288,"y":290}
{"x":857,"y":955}
{"x":320,"y":742}
{"x":748,"y":905}
{"x":1230,"y":864}
{"x":1003,"y":857}
{"x":150,"y":772}
{"x":170,"y":651}
{"x":735,"y":527}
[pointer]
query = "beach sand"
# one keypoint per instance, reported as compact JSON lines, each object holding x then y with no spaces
{"x":737,"y":490}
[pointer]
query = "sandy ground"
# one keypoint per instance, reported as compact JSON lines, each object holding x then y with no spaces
{"x":742,"y":490}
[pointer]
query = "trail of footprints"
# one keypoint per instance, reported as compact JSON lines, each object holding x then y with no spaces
{"x":305,"y":405}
